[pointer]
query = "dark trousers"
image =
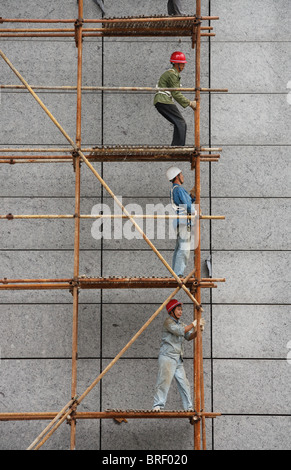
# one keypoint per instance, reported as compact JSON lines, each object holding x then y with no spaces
{"x":173,"y":115}
{"x":175,"y":7}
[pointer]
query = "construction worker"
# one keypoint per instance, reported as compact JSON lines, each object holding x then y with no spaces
{"x":171,"y":356}
{"x":164,"y":103}
{"x":175,"y":8}
{"x":183,"y":204}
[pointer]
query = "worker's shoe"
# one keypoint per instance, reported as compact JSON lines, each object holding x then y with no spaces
{"x":156,"y":408}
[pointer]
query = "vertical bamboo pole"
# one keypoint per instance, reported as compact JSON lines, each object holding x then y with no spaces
{"x":79,"y":43}
{"x":197,"y":253}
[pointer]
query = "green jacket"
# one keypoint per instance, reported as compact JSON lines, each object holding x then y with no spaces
{"x":170,"y":79}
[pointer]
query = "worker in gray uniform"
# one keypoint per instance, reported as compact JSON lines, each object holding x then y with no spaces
{"x":175,"y":8}
{"x":171,"y":356}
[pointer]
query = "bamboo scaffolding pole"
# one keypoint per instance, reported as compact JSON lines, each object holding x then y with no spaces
{"x":112,"y":152}
{"x":62,"y":286}
{"x":107,"y":88}
{"x":109,"y":285}
{"x":124,"y":148}
{"x":150,"y":19}
{"x":198,"y":357}
{"x":105,"y":33}
{"x":113,"y":216}
{"x":77,"y":167}
{"x":69,"y":30}
{"x":123,"y":159}
{"x":64,"y":413}
{"x":90,"y":415}
{"x":94,"y":279}
{"x":5,"y":280}
{"x":108,"y":20}
{"x":106,"y":283}
{"x":146,"y":33}
{"x":85,"y":160}
{"x":25,"y":20}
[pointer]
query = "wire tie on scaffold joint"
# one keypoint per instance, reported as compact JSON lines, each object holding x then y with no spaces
{"x":193,"y":419}
{"x":9,"y":217}
{"x":72,"y":415}
{"x":75,"y":155}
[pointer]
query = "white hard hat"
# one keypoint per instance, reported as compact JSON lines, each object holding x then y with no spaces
{"x":172,"y":172}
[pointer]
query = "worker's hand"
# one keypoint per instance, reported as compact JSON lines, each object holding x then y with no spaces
{"x":192,"y":104}
{"x":202,"y":324}
{"x":194,"y":323}
{"x":193,"y":192}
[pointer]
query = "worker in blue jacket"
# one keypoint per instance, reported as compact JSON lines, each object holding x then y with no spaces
{"x":183,"y":204}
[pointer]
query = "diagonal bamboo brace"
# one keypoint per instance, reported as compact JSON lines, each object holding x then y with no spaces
{"x":100,"y":179}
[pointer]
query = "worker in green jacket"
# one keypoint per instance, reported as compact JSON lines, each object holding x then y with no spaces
{"x":164,"y":102}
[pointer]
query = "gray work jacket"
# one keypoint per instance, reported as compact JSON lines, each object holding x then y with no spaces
{"x":173,"y":336}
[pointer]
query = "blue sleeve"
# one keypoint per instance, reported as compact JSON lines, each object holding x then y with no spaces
{"x":181,"y":197}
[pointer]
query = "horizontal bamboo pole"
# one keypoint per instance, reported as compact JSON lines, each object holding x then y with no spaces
{"x":24,"y":20}
{"x":85,"y":31}
{"x":108,"y":20}
{"x":140,"y":414}
{"x":111,"y":148}
{"x":94,"y":159}
{"x":108,"y":88}
{"x":124,"y":148}
{"x":37,"y":35}
{"x":62,"y":30}
{"x":35,"y":286}
{"x":110,"y":216}
{"x":39,"y":150}
{"x":106,"y":33}
{"x":5,"y":280}
{"x":67,"y":280}
{"x":147,"y":19}
{"x":25,"y":162}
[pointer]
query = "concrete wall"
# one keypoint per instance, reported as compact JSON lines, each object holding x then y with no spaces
{"x":247,"y":376}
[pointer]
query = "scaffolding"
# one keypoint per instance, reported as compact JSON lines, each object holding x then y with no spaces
{"x":157,"y":26}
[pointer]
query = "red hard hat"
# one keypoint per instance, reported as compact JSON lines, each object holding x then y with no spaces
{"x":172,"y":304}
{"x":178,"y":58}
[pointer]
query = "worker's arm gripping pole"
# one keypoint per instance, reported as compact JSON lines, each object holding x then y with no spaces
{"x":80,"y":153}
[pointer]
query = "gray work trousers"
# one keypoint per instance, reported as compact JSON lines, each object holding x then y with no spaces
{"x":175,"y":7}
{"x":173,"y":115}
